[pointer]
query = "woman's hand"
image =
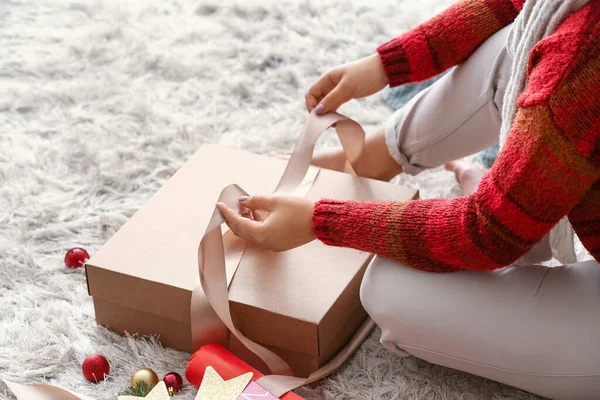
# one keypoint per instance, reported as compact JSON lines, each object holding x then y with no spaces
{"x":280,"y":222}
{"x":354,"y":80}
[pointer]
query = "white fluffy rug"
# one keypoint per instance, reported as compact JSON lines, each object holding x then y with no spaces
{"x":101,"y":100}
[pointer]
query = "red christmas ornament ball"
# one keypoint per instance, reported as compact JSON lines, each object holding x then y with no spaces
{"x":76,"y":257}
{"x":95,"y":368}
{"x":173,"y":381}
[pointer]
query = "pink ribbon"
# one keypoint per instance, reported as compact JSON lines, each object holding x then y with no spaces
{"x":219,"y":256}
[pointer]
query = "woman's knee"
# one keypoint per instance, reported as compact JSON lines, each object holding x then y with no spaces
{"x":370,"y":296}
{"x":432,"y":128}
{"x":383,"y":292}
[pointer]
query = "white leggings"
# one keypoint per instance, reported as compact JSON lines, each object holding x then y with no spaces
{"x":534,"y":327}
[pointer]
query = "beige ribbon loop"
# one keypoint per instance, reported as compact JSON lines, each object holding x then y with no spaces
{"x":207,"y":327}
{"x":211,"y":265}
{"x":351,"y":136}
{"x":211,"y":316}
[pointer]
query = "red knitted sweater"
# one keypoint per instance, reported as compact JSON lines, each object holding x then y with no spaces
{"x":548,"y":168}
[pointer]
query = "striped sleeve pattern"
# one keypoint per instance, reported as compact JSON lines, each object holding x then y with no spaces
{"x":445,"y":40}
{"x":549,"y":168}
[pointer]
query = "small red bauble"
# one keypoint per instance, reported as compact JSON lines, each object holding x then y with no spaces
{"x":95,"y":368}
{"x":76,"y":257}
{"x":174,"y":382}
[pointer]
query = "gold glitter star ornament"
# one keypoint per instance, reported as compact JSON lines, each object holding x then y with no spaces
{"x":213,"y":387}
{"x":159,"y":392}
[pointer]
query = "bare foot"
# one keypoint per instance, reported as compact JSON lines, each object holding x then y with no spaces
{"x":468,"y":175}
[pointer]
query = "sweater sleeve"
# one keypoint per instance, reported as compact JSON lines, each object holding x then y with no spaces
{"x":445,"y":40}
{"x":550,"y":161}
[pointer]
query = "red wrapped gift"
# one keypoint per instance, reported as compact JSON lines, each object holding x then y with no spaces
{"x":226,"y":364}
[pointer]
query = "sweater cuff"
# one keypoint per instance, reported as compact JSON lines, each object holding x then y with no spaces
{"x":355,"y":224}
{"x":324,"y":217}
{"x":394,"y":61}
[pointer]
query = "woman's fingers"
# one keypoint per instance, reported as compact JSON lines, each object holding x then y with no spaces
{"x":320,"y":89}
{"x":258,"y":202}
{"x":245,"y":228}
{"x":333,"y":100}
{"x":311,"y":101}
{"x":259,"y":216}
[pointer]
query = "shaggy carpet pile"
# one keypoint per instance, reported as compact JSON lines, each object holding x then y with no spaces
{"x":102,"y":100}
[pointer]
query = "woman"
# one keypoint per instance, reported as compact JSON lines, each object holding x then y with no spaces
{"x":528,"y":73}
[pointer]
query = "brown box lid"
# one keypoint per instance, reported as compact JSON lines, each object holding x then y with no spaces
{"x":297,"y":300}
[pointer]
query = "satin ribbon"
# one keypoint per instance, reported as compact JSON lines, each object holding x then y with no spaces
{"x":42,"y":392}
{"x":210,"y":313}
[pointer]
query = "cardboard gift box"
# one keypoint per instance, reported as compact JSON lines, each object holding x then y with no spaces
{"x":303,"y":304}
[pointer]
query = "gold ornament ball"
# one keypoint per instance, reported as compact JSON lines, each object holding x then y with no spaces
{"x":145,"y":376}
